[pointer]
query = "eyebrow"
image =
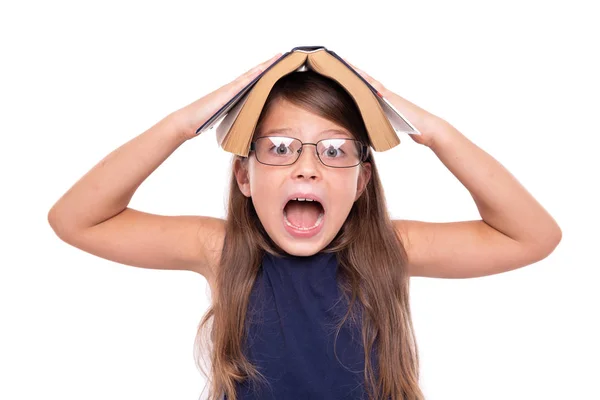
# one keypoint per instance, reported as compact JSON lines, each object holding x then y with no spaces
{"x":289,"y":130}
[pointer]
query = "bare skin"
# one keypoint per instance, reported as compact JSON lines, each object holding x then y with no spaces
{"x":93,"y":215}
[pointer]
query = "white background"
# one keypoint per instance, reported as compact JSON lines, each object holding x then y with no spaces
{"x":79,"y":79}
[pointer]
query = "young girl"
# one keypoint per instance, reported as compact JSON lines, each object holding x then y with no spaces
{"x":308,"y":273}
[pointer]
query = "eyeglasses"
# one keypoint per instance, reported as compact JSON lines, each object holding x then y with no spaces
{"x":334,"y":153}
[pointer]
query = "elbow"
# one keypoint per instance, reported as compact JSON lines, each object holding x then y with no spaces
{"x":556,"y":238}
{"x":558,"y":235}
{"x":53,"y":218}
{"x":57,"y":223}
{"x":53,"y":221}
{"x":551,"y":241}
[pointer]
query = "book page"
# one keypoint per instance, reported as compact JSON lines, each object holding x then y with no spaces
{"x":399,"y":123}
{"x":230,"y":117}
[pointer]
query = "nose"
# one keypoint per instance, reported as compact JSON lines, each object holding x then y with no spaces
{"x":307,"y":164}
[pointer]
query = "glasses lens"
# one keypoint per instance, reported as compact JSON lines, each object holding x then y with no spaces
{"x":281,"y":150}
{"x":339,"y":152}
{"x":277,"y":150}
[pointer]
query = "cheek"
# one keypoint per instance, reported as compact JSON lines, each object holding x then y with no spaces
{"x":346,"y":183}
{"x":342,"y":194}
{"x":264,"y":192}
{"x":262,"y":182}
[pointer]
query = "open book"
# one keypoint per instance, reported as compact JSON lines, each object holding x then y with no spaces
{"x":240,"y":115}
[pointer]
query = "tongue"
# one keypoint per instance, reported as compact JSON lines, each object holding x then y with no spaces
{"x":303,"y":214}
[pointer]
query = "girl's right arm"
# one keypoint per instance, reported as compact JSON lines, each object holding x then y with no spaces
{"x":93,"y":214}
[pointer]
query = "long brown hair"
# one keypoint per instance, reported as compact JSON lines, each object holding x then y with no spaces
{"x":371,"y":257}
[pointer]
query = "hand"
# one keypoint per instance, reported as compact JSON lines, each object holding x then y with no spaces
{"x":189,"y":118}
{"x":428,"y":124}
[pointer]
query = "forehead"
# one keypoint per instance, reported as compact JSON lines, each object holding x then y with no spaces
{"x":286,"y":119}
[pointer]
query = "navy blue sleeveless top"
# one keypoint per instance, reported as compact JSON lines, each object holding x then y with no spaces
{"x":294,"y":308}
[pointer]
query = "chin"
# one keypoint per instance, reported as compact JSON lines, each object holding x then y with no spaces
{"x":302,"y":249}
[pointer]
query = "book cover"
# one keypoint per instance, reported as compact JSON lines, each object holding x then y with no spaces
{"x":229,"y":112}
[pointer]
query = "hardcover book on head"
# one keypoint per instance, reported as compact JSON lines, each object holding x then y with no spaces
{"x":240,"y":115}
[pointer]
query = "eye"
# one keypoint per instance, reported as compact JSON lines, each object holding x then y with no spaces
{"x":333,"y":148}
{"x":332,"y":151}
{"x":280,"y":150}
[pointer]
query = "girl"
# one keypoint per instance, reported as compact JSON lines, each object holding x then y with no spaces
{"x":309,"y":275}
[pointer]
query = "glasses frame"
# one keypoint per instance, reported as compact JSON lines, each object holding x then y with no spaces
{"x":364,"y":151}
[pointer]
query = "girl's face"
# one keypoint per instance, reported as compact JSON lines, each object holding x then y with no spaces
{"x":298,"y":227}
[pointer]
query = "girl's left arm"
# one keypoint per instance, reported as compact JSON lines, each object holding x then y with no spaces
{"x":515,"y":229}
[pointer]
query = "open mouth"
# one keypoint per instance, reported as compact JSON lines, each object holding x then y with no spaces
{"x":303,"y":214}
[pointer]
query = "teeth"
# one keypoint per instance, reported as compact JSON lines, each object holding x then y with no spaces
{"x":288,"y":223}
{"x":301,"y":199}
